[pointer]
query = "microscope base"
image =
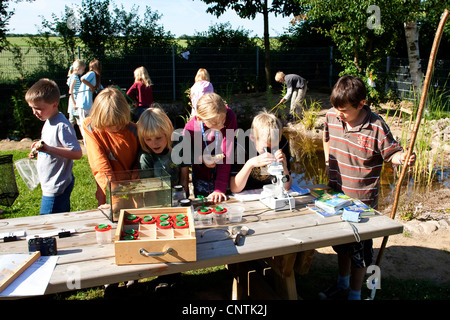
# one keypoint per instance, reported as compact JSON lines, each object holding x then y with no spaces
{"x":279,"y":204}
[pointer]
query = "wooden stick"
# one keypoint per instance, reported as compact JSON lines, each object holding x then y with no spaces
{"x":426,"y":85}
{"x":19,"y":270}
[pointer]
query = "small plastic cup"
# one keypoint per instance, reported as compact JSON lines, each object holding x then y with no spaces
{"x":235,"y":213}
{"x":205,"y":216}
{"x":103,"y":233}
{"x":220,"y":213}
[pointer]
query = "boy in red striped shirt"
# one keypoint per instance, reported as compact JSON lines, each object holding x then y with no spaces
{"x":356,"y":143}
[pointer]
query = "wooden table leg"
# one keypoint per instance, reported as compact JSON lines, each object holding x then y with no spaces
{"x":303,"y":261}
{"x":239,"y":290}
{"x":283,"y":266}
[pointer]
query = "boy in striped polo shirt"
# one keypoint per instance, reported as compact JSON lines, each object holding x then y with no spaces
{"x":356,"y":143}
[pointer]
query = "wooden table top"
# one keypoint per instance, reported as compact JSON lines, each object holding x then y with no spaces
{"x":88,"y":264}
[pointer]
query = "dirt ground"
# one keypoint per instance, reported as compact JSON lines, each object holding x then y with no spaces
{"x":416,"y":254}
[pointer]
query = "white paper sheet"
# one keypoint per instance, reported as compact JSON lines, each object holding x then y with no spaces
{"x":34,"y":280}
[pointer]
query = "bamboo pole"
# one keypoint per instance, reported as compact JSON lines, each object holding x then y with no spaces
{"x":426,"y":85}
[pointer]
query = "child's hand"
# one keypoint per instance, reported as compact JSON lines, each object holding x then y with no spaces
{"x":217,"y":197}
{"x":280,"y":157}
{"x":35,"y":148}
{"x":262,"y":160}
{"x":210,"y":161}
{"x":412,"y":158}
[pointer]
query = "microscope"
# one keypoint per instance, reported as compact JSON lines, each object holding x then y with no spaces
{"x":274,"y":195}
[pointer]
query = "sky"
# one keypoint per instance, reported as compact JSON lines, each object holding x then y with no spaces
{"x":178,"y":16}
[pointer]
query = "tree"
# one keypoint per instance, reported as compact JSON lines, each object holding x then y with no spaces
{"x":221,"y":36}
{"x":248,"y":9}
{"x":365,"y":33}
{"x":5,"y":15}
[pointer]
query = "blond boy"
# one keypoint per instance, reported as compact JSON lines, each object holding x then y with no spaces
{"x":267,"y":145}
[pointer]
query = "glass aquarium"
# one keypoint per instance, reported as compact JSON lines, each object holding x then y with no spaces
{"x":136,"y":189}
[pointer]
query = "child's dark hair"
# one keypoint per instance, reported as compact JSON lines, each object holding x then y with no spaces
{"x":96,"y":66}
{"x":348,"y":90}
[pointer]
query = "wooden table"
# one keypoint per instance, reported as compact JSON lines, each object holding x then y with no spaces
{"x":285,"y":240}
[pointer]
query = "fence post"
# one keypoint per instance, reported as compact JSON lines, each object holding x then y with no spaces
{"x":173,"y":74}
{"x":330,"y":77}
{"x":257,"y":61}
{"x":388,"y":68}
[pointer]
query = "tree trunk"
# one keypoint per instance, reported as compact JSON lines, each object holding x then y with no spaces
{"x":266,"y":45}
{"x":412,"y":43}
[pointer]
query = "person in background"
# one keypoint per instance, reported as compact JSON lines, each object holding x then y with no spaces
{"x":207,"y":130}
{"x":111,"y":139}
{"x":201,"y":86}
{"x":56,"y":150}
{"x":90,"y":82}
{"x":141,"y":92}
{"x":356,"y":143}
{"x":296,"y":91}
{"x":74,"y":83}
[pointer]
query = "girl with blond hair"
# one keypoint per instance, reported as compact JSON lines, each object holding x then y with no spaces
{"x":141,"y":92}
{"x":111,"y":139}
{"x":211,"y":173}
{"x":155,"y":137}
{"x":201,"y":86}
{"x":74,"y":82}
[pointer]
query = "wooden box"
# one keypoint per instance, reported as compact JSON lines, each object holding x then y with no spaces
{"x":157,"y":241}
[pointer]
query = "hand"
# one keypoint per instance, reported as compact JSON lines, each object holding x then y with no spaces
{"x":262,"y":160}
{"x":210,"y":161}
{"x":412,"y":158}
{"x":35,"y":148}
{"x":280,"y":157}
{"x":217,"y":197}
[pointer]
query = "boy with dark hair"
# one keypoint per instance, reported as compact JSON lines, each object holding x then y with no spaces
{"x":356,"y":143}
{"x":57,"y":148}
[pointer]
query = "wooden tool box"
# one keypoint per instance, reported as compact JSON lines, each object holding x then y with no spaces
{"x":155,"y":235}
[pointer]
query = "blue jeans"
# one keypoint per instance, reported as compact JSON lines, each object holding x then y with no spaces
{"x":60,"y":203}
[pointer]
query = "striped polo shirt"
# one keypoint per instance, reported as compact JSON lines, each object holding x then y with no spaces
{"x":357,"y":155}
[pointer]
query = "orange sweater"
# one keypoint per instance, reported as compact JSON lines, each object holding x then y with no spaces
{"x":109,"y":153}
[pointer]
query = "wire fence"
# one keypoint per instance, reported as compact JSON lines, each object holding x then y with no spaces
{"x":232,"y":69}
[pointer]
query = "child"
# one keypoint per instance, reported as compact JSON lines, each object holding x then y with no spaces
{"x":155,"y":137}
{"x":296,"y":91}
{"x":207,"y":129}
{"x":111,"y":139}
{"x":356,"y":143}
{"x":141,"y":92}
{"x":268,"y":145}
{"x":201,"y":86}
{"x":90,"y":82}
{"x":74,"y":82}
{"x":56,"y":150}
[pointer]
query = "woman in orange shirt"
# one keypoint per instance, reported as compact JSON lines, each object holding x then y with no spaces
{"x":111,"y":139}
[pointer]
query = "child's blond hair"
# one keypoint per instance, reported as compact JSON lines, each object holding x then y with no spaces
{"x":210,"y":105}
{"x":43,"y":90}
{"x":110,"y":109}
{"x":266,"y":127}
{"x":154,"y":122}
{"x":76,"y":65}
{"x":202,"y":74}
{"x":141,"y":75}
